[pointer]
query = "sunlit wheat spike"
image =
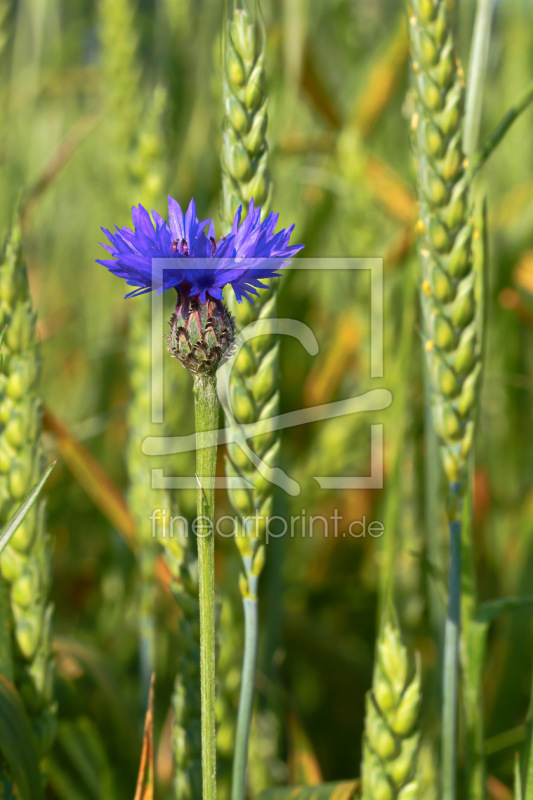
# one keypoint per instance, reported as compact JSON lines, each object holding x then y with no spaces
{"x":445,"y":233}
{"x":244,"y":147}
{"x":391,"y":738}
{"x":25,"y":564}
{"x":245,"y":175}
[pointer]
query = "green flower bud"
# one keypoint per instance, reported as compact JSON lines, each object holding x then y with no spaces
{"x":200,"y":334}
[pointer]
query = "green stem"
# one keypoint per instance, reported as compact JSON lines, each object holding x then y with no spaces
{"x":476,"y":75}
{"x":206,"y":415}
{"x":451,"y":663}
{"x":473,"y":649}
{"x":501,"y":129}
{"x":244,"y":718}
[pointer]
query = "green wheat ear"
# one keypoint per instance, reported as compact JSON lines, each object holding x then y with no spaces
{"x":244,"y":147}
{"x":254,"y":378}
{"x":445,"y":234}
{"x":391,"y":739}
{"x":245,"y":175}
{"x":25,"y":564}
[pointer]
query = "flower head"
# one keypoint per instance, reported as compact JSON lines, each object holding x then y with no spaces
{"x":201,"y":266}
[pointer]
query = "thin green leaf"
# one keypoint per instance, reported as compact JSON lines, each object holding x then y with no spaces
{"x":17,"y":743}
{"x":489,"y":611}
{"x":501,"y":129}
{"x":7,"y":532}
{"x":344,"y":790}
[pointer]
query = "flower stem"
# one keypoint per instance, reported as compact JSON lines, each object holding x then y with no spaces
{"x":244,"y":718}
{"x":206,"y":415}
{"x":451,"y":657}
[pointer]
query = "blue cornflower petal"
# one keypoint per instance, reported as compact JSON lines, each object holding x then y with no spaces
{"x":251,"y":253}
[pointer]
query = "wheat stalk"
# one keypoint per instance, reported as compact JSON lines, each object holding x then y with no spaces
{"x":254,"y":388}
{"x":451,"y":325}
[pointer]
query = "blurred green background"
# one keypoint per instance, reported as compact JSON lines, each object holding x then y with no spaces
{"x":341,"y":168}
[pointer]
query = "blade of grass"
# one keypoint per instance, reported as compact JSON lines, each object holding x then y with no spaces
{"x":8,"y":530}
